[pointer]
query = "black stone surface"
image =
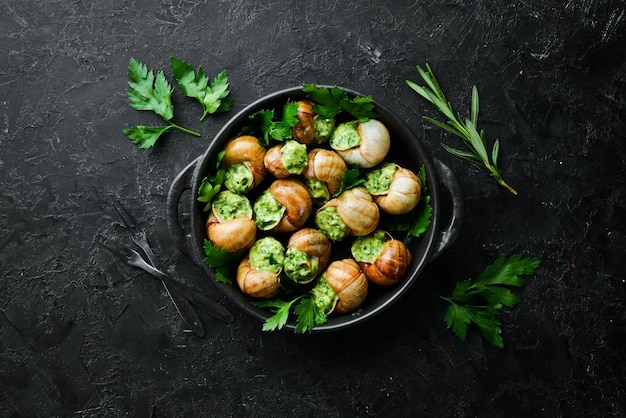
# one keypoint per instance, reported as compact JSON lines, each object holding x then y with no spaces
{"x":82,"y":335}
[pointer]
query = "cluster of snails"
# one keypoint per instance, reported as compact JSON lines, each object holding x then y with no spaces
{"x":286,"y":230}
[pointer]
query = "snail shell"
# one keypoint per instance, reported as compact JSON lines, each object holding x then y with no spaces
{"x":275,"y":163}
{"x":295,"y":198}
{"x":304,"y":130}
{"x":375,"y":143}
{"x":390,"y":265}
{"x":233,"y":235}
{"x":256,"y":283}
{"x":358,"y":211}
{"x":403,"y":194}
{"x":326,"y":166}
{"x":315,"y":244}
{"x":248,"y":150}
{"x":348,"y":281}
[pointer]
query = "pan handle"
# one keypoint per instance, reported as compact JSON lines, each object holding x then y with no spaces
{"x":181,"y":183}
{"x":449,"y":234}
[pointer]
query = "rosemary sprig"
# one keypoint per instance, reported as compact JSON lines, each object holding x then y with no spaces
{"x":464,"y":128}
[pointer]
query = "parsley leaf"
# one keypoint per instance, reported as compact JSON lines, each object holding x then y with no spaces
{"x":280,"y":309}
{"x":278,"y":130}
{"x":309,"y":315}
{"x":352,"y":177}
{"x":222,"y":261}
{"x":482,"y":300}
{"x":211,"y":185}
{"x":329,"y":103}
{"x":148,"y":92}
{"x":145,"y":136}
{"x":213,"y":97}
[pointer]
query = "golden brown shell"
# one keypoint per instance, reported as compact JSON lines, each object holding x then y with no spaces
{"x":233,"y":235}
{"x":326,"y":166}
{"x":314,"y":243}
{"x":256,"y":283}
{"x":304,"y":130}
{"x":375,"y":143}
{"x":403,"y":193}
{"x":274,"y":162}
{"x":296,"y":199}
{"x":248,"y":150}
{"x":358,"y":211}
{"x":390,"y":265}
{"x":348,"y":281}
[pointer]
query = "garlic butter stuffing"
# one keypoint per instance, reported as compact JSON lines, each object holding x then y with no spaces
{"x":300,"y":181}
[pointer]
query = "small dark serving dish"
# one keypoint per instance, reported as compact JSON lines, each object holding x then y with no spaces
{"x":405,"y":150}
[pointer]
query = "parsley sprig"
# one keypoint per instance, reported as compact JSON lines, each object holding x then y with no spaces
{"x":148,"y":92}
{"x":480,"y":301}
{"x":276,"y":129}
{"x":464,"y":128}
{"x":330,"y":102}
{"x":153,"y":92}
{"x":222,"y":261}
{"x":211,"y":185}
{"x":212,"y":96}
{"x":308,"y":314}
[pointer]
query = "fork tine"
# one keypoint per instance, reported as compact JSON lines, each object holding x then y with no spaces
{"x":126,"y":217}
{"x":113,"y":246}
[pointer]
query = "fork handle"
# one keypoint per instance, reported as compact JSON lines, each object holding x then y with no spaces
{"x":190,"y":295}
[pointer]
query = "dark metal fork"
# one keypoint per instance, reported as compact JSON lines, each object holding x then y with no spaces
{"x":180,"y":294}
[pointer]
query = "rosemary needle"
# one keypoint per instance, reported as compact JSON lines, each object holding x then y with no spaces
{"x":465,"y":128}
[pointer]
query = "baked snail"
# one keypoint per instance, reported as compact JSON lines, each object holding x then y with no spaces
{"x":341,"y":289}
{"x":244,"y":164}
{"x":258,"y":274}
{"x":363,"y":144}
{"x":284,"y":207}
{"x":396,"y":190}
{"x":230,"y":225}
{"x":383,"y":259}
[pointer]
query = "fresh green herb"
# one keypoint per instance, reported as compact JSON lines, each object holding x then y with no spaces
{"x":329,"y":103}
{"x":211,"y":185}
{"x":464,"y":128}
{"x":424,"y":209}
{"x":281,"y":310}
{"x":309,"y":315}
{"x":352,"y":177}
{"x":278,"y":130}
{"x":212,"y":96}
{"x":307,"y":312}
{"x":148,"y":92}
{"x":481,"y":301}
{"x":222,"y":261}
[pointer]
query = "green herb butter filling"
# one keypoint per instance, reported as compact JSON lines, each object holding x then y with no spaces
{"x":294,"y":156}
{"x":378,"y":181}
{"x":324,"y":296}
{"x":239,"y":178}
{"x":367,"y":249}
{"x":228,"y":205}
{"x":331,"y":225}
{"x":267,"y":254}
{"x":318,"y":190}
{"x":345,"y":136}
{"x":267,"y":211}
{"x":324,"y":128}
{"x":298,"y":266}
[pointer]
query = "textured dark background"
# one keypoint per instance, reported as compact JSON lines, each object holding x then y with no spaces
{"x":81,"y":335}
